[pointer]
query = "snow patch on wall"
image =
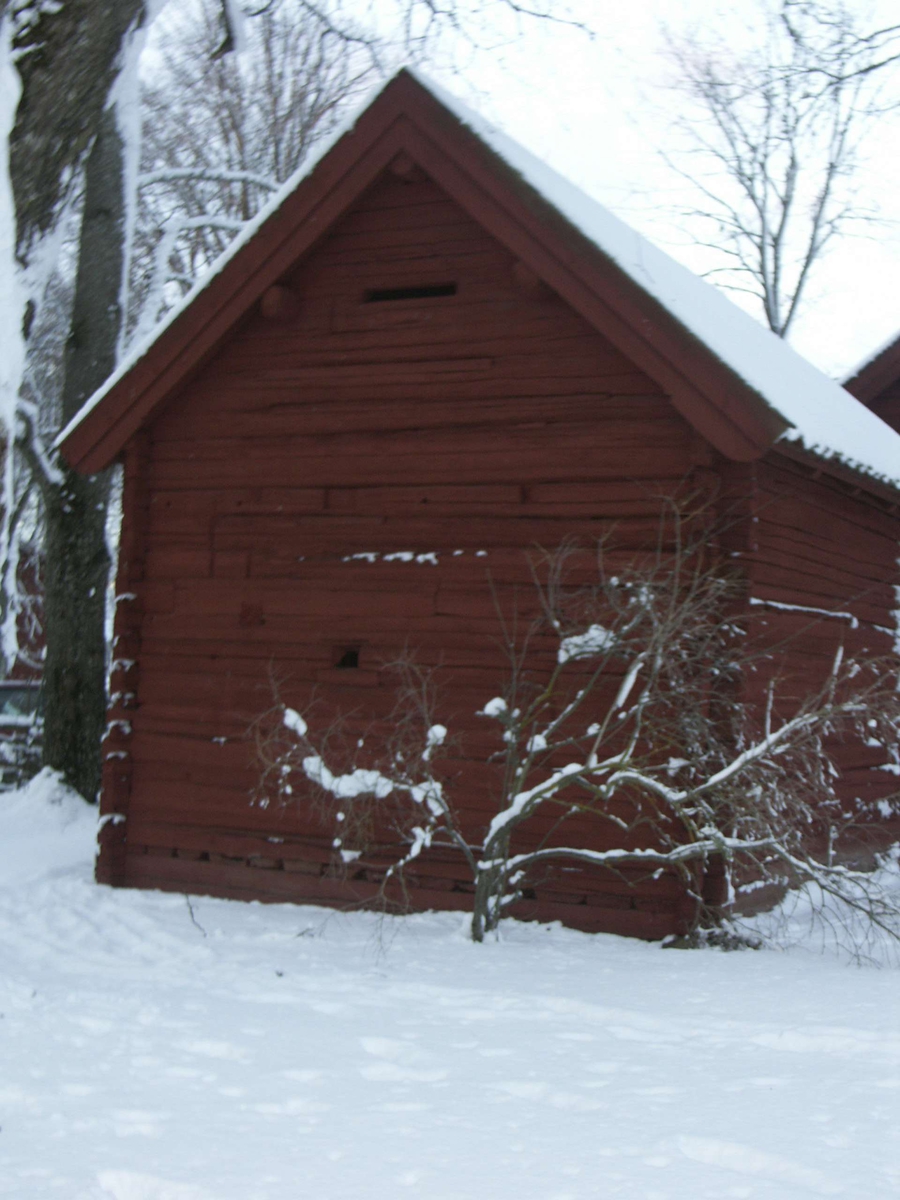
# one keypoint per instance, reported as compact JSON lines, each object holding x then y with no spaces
{"x":429,"y":557}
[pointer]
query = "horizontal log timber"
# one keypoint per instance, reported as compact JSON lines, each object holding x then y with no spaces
{"x":829,"y":498}
{"x":286,"y":410}
{"x":336,"y":537}
{"x":243,"y":882}
{"x":811,"y":637}
{"x":467,"y":676}
{"x":260,"y":645}
{"x":858,"y":570}
{"x":511,"y":329}
{"x":862,"y":542}
{"x":373,"y":228}
{"x":286,"y":841}
{"x":230,"y":766}
{"x":184,"y":512}
{"x":781,"y":586}
{"x":491,"y":379}
{"x":841,"y":516}
{"x":510,"y":566}
{"x":608,"y":438}
{"x":440,"y":861}
{"x":500,"y":465}
{"x":826,"y":579}
{"x":447,"y":241}
{"x":166,"y":673}
{"x":499,"y":374}
{"x":272,"y":634}
{"x":621,"y":888}
{"x":413,"y":208}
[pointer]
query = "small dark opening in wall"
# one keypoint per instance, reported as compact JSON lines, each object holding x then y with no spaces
{"x":347,"y":659}
{"x":431,"y":291}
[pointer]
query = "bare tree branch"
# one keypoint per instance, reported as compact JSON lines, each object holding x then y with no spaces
{"x":221,"y":134}
{"x":210,"y":174}
{"x":642,"y":721}
{"x":771,"y":143}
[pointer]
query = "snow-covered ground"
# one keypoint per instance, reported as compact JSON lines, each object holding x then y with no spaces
{"x":228,"y":1051}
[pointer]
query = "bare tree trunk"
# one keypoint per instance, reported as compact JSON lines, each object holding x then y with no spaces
{"x":77,"y":559}
{"x":69,"y":58}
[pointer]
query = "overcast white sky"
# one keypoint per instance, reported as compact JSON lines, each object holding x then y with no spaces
{"x":599,"y":111}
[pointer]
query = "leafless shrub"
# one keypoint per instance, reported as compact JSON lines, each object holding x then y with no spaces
{"x":632,"y":710}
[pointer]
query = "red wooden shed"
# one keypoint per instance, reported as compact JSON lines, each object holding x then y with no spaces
{"x":430,"y":354}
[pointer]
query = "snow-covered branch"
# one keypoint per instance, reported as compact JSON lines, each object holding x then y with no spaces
{"x":208,"y":175}
{"x":638,"y":723}
{"x":44,"y":470}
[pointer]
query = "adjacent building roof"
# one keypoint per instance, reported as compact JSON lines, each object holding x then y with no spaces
{"x":877,"y":372}
{"x":744,"y":389}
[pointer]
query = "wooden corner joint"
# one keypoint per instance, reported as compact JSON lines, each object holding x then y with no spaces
{"x":529,"y":282}
{"x":279,"y":303}
{"x":405,"y":168}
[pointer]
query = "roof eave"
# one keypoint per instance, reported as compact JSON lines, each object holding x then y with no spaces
{"x":183,"y":346}
{"x":841,"y":471}
{"x":878,"y":373}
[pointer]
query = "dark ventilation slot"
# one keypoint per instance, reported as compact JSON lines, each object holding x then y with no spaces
{"x":347,"y":659}
{"x":431,"y":291}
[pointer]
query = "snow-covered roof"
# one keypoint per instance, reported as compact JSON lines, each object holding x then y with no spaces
{"x":876,"y":373}
{"x":870,"y":358}
{"x":821,"y":417}
{"x":824,"y":419}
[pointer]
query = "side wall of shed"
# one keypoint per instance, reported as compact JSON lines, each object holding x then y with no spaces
{"x":887,"y":405}
{"x":822,"y":573}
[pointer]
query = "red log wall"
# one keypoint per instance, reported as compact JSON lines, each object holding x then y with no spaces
{"x":467,"y":427}
{"x":887,"y":405}
{"x":824,"y":546}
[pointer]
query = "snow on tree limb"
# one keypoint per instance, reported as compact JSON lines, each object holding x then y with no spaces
{"x":209,"y":174}
{"x":12,"y":361}
{"x":749,"y":785}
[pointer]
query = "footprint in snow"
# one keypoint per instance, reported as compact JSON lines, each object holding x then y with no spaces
{"x":398,"y":1062}
{"x":527,"y":1090}
{"x":399,"y":1107}
{"x":211,"y":1049}
{"x":748,"y":1160}
{"x":296,"y":1106}
{"x":134,"y":1123}
{"x":129,"y":1185}
{"x":306,"y":1075}
{"x":844,"y":1042}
